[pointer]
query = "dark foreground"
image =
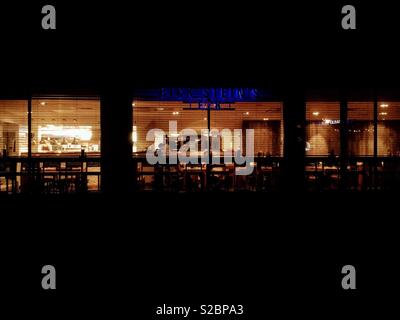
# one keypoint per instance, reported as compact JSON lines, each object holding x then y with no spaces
{"x":274,"y":253}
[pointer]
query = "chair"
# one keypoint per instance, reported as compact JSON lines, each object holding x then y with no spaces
{"x":74,"y":178}
{"x":92,"y":172}
{"x":51,"y":177}
{"x":172,"y":177}
{"x":194,"y":177}
{"x":219,"y":178}
{"x":8,"y":172}
{"x":31,"y":177}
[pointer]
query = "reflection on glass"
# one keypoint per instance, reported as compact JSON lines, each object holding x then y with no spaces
{"x":323,"y":128}
{"x":360,"y":126}
{"x":265,"y":118}
{"x":389,"y":128}
{"x":148,"y":115}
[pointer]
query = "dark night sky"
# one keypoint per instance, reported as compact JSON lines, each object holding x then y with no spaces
{"x":204,"y":44}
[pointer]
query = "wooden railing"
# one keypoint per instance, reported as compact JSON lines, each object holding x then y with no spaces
{"x":183,"y":177}
{"x":354,"y":173}
{"x":76,"y":174}
{"x":50,"y":174}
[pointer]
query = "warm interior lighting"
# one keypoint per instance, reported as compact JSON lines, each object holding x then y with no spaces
{"x":134,"y":136}
{"x":268,"y":140}
{"x":316,"y":113}
{"x":133,"y":104}
{"x":58,"y":138}
{"x":329,"y":121}
{"x":83,"y":133}
{"x":43,"y":103}
{"x":383,"y":113}
{"x":134,"y":139}
{"x":384,"y":105}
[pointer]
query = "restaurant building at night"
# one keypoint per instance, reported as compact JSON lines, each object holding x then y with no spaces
{"x":72,"y":143}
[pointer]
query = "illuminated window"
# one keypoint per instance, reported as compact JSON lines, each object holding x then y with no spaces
{"x":148,"y":115}
{"x":265,"y":118}
{"x":360,"y":126}
{"x":14,"y":127}
{"x":323,"y":128}
{"x":389,"y":129}
{"x":65,"y":126}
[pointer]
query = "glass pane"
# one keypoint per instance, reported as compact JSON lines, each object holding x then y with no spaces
{"x":360,"y":123}
{"x":148,"y":115}
{"x":65,"y":126}
{"x":265,"y":118}
{"x":323,"y":128}
{"x":389,"y":129}
{"x":14,"y":127}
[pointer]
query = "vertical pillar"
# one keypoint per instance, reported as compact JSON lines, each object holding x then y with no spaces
{"x":294,"y":112}
{"x":209,"y":165}
{"x":375,"y":127}
{"x":29,"y":127}
{"x":30,"y":181}
{"x":343,"y":144}
{"x":117,"y":170}
{"x":375,"y":161}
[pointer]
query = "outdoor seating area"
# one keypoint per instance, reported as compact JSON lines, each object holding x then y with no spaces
{"x":50,"y":175}
{"x":202,"y":177}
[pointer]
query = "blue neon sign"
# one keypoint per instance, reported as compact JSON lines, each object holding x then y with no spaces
{"x":204,"y":95}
